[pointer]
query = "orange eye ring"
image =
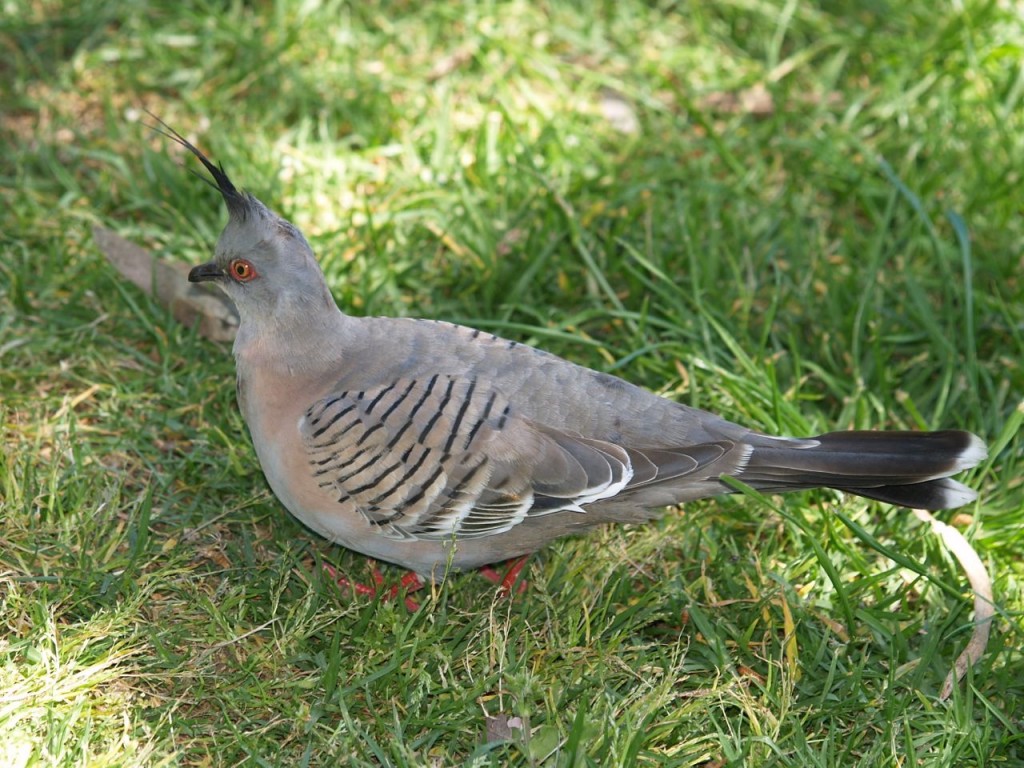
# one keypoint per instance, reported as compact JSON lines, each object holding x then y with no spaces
{"x":242,"y":270}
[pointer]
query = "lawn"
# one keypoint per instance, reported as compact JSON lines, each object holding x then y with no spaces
{"x":801,"y":216}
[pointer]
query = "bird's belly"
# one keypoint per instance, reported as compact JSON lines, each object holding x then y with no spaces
{"x":286,"y":465}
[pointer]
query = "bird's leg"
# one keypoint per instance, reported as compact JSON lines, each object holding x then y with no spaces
{"x":510,"y":578}
{"x":508,"y":582}
{"x":410,"y":582}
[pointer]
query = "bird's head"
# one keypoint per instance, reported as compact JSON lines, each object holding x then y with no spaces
{"x":262,"y":261}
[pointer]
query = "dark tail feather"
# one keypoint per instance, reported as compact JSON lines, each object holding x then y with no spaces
{"x":910,"y":469}
{"x":932,"y":494}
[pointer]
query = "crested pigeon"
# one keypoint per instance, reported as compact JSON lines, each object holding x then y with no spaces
{"x":436,"y":446}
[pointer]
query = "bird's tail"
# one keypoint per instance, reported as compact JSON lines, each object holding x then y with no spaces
{"x":911,"y":469}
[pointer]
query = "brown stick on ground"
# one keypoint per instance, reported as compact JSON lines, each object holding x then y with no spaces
{"x":167,"y":281}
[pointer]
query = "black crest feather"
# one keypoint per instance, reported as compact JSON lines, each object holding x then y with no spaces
{"x":239,"y":204}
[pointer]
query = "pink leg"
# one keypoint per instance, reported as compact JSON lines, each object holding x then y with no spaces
{"x":410,"y":582}
{"x":509,"y":579}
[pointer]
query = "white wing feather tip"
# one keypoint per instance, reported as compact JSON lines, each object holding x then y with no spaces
{"x":741,"y":463}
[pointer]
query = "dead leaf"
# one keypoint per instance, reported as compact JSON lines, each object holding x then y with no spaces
{"x":503,"y":728}
{"x":510,"y":240}
{"x":756,"y":101}
{"x":619,"y":112}
{"x":167,"y":282}
{"x":984,"y":601}
{"x":448,"y":64}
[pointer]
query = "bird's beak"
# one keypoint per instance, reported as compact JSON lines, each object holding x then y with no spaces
{"x":205,"y":272}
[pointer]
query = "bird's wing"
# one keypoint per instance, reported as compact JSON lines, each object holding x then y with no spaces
{"x":444,"y":457}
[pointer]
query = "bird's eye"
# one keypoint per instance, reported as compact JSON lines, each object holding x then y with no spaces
{"x":242,"y":270}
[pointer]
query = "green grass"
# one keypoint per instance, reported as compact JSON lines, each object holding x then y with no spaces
{"x":851,"y":259}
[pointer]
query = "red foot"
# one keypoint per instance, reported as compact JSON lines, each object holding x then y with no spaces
{"x":410,"y":582}
{"x":509,"y":579}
